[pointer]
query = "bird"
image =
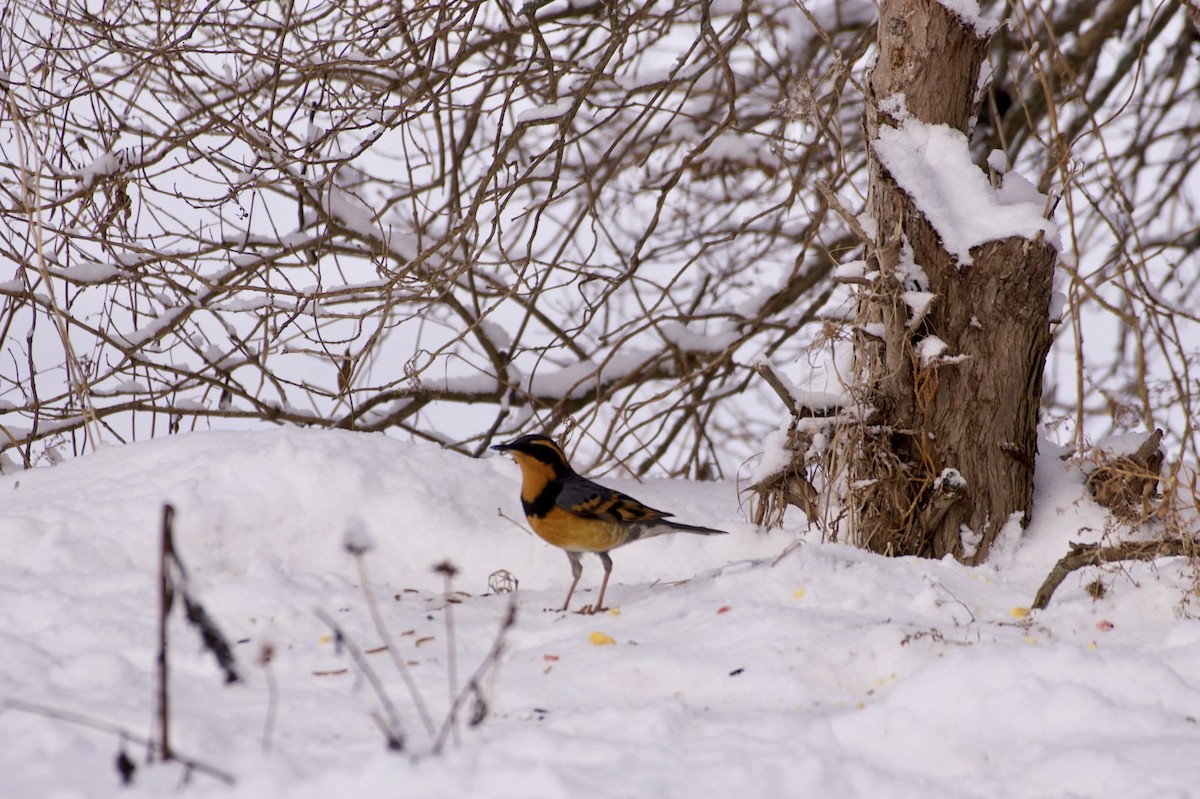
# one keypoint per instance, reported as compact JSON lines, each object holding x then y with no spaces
{"x":577,"y":515}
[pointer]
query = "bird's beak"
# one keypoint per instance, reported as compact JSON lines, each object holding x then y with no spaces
{"x":501,"y":447}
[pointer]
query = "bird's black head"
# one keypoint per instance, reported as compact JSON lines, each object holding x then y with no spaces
{"x":540,"y":448}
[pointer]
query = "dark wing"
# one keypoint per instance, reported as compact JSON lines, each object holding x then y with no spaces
{"x":591,"y":500}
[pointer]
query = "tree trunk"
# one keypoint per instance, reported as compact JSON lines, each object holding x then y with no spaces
{"x":976,"y":413}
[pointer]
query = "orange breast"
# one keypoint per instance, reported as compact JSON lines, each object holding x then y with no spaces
{"x":568,"y":531}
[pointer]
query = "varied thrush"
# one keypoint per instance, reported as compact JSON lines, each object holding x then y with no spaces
{"x":577,"y":515}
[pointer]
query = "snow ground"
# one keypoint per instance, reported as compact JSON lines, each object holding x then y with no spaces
{"x":829,"y":672}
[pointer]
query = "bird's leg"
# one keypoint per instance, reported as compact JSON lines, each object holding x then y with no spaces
{"x":576,"y":571}
{"x":607,"y":561}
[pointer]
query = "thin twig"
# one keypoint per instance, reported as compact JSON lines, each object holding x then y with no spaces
{"x":391,"y":724}
{"x":78,"y":719}
{"x":472,"y":687}
{"x":165,"y":600}
{"x":392,"y":648}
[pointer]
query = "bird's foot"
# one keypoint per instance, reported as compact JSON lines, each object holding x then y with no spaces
{"x":588,"y":610}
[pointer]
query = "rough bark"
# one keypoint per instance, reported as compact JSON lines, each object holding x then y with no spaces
{"x":979,"y":414}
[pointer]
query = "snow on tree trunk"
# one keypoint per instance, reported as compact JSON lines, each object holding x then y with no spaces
{"x":953,"y":327}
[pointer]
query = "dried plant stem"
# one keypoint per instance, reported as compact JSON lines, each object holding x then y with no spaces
{"x":391,"y":723}
{"x":165,"y":597}
{"x":472,"y":686}
{"x":272,"y":699}
{"x":108,"y":728}
{"x":172,"y":577}
{"x":392,"y":648}
{"x":451,"y":643}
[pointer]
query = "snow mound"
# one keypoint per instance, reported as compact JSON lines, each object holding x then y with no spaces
{"x":726,"y":669}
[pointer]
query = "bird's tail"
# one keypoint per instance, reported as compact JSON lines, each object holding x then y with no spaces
{"x":690,"y":528}
{"x":649,"y":529}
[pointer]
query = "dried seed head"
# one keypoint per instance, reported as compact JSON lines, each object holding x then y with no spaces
{"x":446,"y":567}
